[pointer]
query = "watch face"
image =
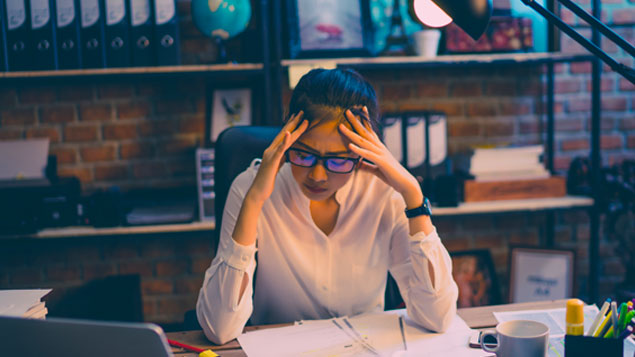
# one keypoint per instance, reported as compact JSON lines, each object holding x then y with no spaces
{"x":427,"y":206}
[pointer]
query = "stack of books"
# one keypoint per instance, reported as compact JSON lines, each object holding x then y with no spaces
{"x":505,"y":164}
{"x":24,"y":303}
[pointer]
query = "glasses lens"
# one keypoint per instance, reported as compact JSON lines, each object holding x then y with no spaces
{"x":340,"y":165}
{"x":301,"y":158}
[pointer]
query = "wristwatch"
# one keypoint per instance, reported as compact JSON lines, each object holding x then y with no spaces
{"x":424,"y":209}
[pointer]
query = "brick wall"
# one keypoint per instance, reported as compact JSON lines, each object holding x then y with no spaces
{"x":143,"y":133}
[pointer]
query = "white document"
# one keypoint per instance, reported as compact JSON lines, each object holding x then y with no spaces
{"x":19,"y":302}
{"x":438,"y":133}
{"x":23,"y":159}
{"x":553,"y":318}
{"x":392,"y":137}
{"x":416,"y":133}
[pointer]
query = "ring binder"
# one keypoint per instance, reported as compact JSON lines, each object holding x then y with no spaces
{"x":42,"y":35}
{"x":92,"y":34}
{"x":67,"y":34}
{"x":166,"y":31}
{"x":17,"y":30}
{"x":116,"y":38}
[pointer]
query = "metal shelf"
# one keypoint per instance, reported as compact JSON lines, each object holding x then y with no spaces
{"x":533,"y":204}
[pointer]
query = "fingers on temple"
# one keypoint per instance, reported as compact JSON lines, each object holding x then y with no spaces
{"x":365,"y":153}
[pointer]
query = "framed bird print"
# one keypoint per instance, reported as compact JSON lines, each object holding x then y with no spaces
{"x":229,"y":107}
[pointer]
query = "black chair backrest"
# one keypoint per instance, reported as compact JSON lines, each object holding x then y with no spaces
{"x":236,"y":147}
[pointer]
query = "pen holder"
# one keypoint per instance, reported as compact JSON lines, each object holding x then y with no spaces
{"x":592,"y":346}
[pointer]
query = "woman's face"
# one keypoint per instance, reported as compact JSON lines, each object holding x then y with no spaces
{"x":323,"y":139}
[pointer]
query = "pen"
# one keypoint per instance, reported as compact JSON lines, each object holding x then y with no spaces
{"x":627,"y":332}
{"x":620,"y":321}
{"x":603,"y":326}
{"x":614,"y":316}
{"x":629,"y":305}
{"x":598,"y":318}
{"x":403,"y":334}
{"x":202,"y":352}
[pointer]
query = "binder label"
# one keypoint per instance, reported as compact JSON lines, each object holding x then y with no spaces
{"x":165,"y":10}
{"x":90,"y":12}
{"x":65,"y":12}
{"x":16,"y":14}
{"x":140,"y":12}
{"x":40,"y":13}
{"x":115,"y":11}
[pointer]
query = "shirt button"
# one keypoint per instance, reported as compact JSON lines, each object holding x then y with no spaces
{"x":324,"y":288}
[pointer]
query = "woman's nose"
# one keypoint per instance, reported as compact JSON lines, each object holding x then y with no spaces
{"x":318,"y":172}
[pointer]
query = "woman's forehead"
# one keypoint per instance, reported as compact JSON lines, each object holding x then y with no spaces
{"x":325,"y":137}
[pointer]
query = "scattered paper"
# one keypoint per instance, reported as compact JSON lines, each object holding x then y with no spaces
{"x":23,"y":159}
{"x":553,"y":318}
{"x":22,"y":302}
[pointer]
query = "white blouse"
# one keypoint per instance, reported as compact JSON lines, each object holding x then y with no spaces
{"x":305,"y":274}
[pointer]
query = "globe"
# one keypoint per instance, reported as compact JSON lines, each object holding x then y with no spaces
{"x":221,"y":19}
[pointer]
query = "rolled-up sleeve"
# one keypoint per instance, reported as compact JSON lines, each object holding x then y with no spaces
{"x":429,"y":302}
{"x":218,"y":309}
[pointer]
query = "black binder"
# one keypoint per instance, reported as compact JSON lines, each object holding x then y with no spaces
{"x":42,"y":37}
{"x":141,"y":37}
{"x":67,"y":33}
{"x":166,"y":33}
{"x":4,"y":66}
{"x":117,"y":39}
{"x":92,"y":34}
{"x":17,"y":31}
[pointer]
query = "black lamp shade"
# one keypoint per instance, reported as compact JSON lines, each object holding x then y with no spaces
{"x":472,"y":16}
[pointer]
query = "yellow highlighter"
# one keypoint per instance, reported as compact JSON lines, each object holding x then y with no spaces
{"x":575,"y":317}
{"x":603,"y":326}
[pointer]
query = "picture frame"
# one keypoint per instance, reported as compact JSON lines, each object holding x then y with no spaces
{"x":475,"y":274}
{"x":538,"y":274}
{"x":227,"y":107}
{"x":316,"y":30}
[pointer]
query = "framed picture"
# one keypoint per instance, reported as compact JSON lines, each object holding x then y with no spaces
{"x":227,"y":107}
{"x":474,"y":273}
{"x":329,"y":28}
{"x":537,"y":274}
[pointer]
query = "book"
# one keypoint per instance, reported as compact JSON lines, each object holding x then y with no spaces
{"x":23,"y":303}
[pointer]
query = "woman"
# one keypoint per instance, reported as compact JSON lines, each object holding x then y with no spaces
{"x":325,"y":211}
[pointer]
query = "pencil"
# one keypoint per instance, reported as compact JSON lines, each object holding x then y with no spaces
{"x":403,"y":334}
{"x":598,"y":318}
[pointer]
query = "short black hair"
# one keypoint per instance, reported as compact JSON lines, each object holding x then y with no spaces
{"x":323,"y":92}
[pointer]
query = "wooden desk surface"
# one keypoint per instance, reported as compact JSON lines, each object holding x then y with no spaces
{"x":475,"y":317}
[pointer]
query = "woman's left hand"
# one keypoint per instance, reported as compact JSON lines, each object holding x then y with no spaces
{"x":366,"y":143}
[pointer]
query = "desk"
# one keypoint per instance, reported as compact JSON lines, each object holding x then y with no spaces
{"x":475,"y":317}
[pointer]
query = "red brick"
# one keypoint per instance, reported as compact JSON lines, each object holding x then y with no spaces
{"x":64,"y":155}
{"x":456,"y":245}
{"x":177,"y":305}
{"x":85,"y":175}
{"x":524,"y":238}
{"x":133,"y":110}
{"x":514,"y":108}
{"x":193,"y":125}
{"x":606,"y":85}
{"x":627,"y":123}
{"x":530,"y":127}
{"x":501,"y":88}
{"x":80,"y":133}
{"x":188,"y":285}
{"x":476,"y":223}
{"x":200,"y":265}
{"x":490,"y":240}
{"x":26,"y":276}
{"x":463,"y":128}
{"x":171,"y":267}
{"x":181,"y":168}
{"x":149,"y":169}
{"x":58,"y":114}
{"x":567,"y":86}
{"x":144,"y":268}
{"x":531,"y":87}
{"x":426,"y":89}
{"x":624,"y":16}
{"x":60,"y":273}
{"x":75,"y":92}
{"x":179,"y":146}
{"x":157,"y":287}
{"x":567,"y":125}
{"x":8,"y":97}
{"x":149,"y":308}
{"x":574,"y":144}
{"x":499,"y":129}
{"x":115,"y":91}
{"x":158,"y":249}
{"x":52,"y":133}
{"x":119,"y":131}
{"x":481,"y":109}
{"x":450,"y":108}
{"x":611,"y":142}
{"x":631,"y":141}
{"x":98,"y":153}
{"x":580,"y":67}
{"x":466,"y":88}
{"x":173,"y":106}
{"x":625,"y":85}
{"x":111,"y":172}
{"x":158,"y":128}
{"x":136,"y":150}
{"x":614,"y":104}
{"x":98,"y":270}
{"x":561,"y":163}
{"x":37,"y":95}
{"x":578,"y":105}
{"x":395,"y":92}
{"x":95,"y":112}
{"x":24,"y":116}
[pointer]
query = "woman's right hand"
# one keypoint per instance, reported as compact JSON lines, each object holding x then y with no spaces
{"x":273,"y":158}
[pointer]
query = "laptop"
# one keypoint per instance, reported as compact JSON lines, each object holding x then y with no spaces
{"x":70,"y":337}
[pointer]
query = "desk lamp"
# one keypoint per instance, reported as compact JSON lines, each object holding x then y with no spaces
{"x":472,"y":16}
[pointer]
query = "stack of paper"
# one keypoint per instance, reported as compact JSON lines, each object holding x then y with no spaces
{"x":23,"y":303}
{"x":374,"y":334}
{"x":506,"y":164}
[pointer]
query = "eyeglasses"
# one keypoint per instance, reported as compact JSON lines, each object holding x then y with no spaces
{"x":335,"y":164}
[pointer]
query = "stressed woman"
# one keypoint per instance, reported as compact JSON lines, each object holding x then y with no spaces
{"x":329,"y":211}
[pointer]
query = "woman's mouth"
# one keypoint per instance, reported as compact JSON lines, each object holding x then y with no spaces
{"x":314,"y":189}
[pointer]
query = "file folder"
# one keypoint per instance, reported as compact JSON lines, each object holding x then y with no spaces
{"x":4,"y":66}
{"x":42,"y":35}
{"x":17,"y":31}
{"x":141,"y":36}
{"x":92,"y":34}
{"x":67,"y":33}
{"x":166,"y":33}
{"x":116,"y":35}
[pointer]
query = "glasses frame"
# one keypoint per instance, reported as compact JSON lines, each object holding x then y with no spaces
{"x":322,"y":160}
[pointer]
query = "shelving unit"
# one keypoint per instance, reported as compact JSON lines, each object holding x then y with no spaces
{"x":527,"y":205}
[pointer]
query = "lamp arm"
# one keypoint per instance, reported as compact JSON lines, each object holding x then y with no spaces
{"x":617,"y":39}
{"x":627,"y":72}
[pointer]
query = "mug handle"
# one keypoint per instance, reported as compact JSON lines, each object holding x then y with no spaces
{"x":489,"y":333}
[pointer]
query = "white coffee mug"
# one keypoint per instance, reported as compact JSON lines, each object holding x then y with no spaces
{"x":427,"y":42}
{"x":518,"y":338}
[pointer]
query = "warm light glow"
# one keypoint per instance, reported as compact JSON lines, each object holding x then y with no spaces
{"x":430,"y":14}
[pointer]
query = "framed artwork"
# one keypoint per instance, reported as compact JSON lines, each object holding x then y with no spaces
{"x":227,"y":107}
{"x":329,"y":28}
{"x":474,"y":273}
{"x":537,"y":274}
